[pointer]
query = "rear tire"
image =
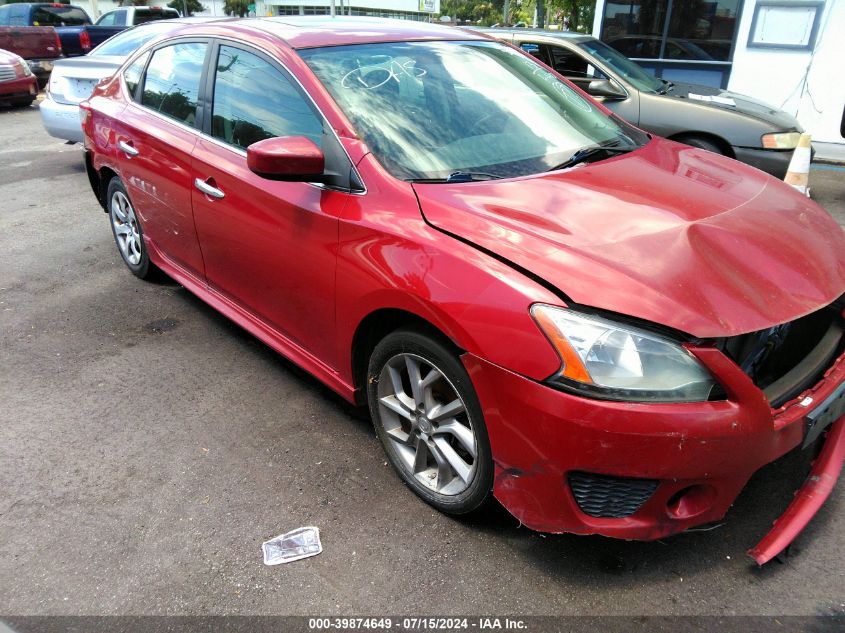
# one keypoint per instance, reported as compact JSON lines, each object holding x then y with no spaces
{"x":427,"y":416}
{"x":127,"y":232}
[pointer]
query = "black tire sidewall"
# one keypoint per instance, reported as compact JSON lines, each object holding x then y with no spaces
{"x":427,"y":347}
{"x":700,"y":143}
{"x":143,"y":268}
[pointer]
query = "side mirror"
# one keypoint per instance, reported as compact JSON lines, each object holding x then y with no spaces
{"x":292,"y":158}
{"x":605,"y":88}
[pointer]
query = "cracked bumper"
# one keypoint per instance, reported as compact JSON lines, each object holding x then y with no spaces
{"x":702,"y":454}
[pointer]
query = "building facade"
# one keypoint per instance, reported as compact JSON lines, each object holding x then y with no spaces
{"x":398,"y":9}
{"x":787,"y":53}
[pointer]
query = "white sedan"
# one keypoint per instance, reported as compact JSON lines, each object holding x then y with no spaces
{"x":73,"y":79}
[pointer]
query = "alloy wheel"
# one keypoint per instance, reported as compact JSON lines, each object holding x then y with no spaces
{"x":427,"y":424}
{"x":126,"y":231}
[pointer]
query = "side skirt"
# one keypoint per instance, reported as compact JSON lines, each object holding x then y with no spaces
{"x":252,"y":324}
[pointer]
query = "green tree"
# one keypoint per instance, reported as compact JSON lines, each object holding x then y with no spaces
{"x":238,"y":8}
{"x":576,"y":15}
{"x":193,"y":6}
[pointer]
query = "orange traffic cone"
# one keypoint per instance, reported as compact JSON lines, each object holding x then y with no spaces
{"x":798,"y":173}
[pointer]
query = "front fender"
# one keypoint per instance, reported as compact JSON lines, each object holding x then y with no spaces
{"x":389,"y":257}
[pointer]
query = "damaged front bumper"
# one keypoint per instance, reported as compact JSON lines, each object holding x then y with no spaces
{"x":643,"y":471}
{"x":808,"y":499}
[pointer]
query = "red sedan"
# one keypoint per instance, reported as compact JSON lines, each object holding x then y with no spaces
{"x":18,"y":86}
{"x":609,"y":332}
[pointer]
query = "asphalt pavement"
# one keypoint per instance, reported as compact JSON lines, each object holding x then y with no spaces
{"x":148,"y":446}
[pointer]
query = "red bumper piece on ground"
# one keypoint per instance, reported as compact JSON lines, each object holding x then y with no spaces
{"x":808,"y":498}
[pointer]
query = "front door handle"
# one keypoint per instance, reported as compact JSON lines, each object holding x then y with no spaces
{"x":208,"y":189}
{"x":127,"y":148}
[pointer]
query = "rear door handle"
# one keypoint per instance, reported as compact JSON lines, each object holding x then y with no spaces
{"x":208,"y":189}
{"x":127,"y":148}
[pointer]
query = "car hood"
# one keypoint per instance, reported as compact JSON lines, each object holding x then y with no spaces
{"x":670,"y":234}
{"x":735,"y":102}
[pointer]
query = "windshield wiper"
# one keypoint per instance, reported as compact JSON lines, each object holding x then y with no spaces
{"x":593,"y":152}
{"x":459,"y":176}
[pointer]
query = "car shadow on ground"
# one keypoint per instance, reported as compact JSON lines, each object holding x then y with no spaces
{"x":597,"y":559}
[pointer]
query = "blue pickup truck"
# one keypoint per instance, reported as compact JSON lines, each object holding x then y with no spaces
{"x":71,"y":23}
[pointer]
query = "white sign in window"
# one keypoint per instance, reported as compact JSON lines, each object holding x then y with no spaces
{"x":785,"y":25}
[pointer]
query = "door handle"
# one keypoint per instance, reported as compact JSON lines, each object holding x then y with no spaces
{"x":127,"y":148}
{"x":208,"y":189}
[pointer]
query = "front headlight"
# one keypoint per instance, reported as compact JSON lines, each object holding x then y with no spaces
{"x":782,"y":140}
{"x":621,"y":362}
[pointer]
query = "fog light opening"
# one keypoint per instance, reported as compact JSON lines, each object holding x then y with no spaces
{"x":690,"y":501}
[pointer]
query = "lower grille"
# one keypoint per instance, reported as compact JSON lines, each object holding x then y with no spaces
{"x":7,"y":73}
{"x":610,"y":497}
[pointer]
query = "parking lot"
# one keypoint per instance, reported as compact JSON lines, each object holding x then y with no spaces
{"x":149,"y":446}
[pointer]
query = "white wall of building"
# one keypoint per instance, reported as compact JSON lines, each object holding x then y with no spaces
{"x":808,"y":84}
{"x":96,"y":8}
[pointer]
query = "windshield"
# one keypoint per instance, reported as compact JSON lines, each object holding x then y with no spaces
{"x":127,"y":42}
{"x":623,"y":66}
{"x":430,"y":109}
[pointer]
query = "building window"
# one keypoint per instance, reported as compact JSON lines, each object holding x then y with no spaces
{"x":684,"y":30}
{"x":387,"y":13}
{"x":287,"y":10}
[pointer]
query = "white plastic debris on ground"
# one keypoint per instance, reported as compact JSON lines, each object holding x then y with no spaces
{"x":299,"y":543}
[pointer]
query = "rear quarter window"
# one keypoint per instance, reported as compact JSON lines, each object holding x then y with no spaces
{"x":132,"y":74}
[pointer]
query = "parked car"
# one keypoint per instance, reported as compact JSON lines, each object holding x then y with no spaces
{"x":38,"y":45}
{"x":74,"y":79}
{"x":68,"y":20}
{"x":132,"y":16}
{"x":723,"y":122}
{"x":609,"y":331}
{"x":18,"y":86}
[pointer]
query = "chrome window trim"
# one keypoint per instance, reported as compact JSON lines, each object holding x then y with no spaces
{"x":211,"y":40}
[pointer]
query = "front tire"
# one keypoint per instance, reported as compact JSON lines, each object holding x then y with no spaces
{"x":701,"y":143}
{"x":427,"y":416}
{"x":127,"y":231}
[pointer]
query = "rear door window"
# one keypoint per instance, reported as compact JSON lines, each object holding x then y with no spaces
{"x":172,"y":81}
{"x":254,"y":100}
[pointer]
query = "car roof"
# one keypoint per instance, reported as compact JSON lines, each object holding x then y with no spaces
{"x":564,"y":35}
{"x":315,"y":31}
